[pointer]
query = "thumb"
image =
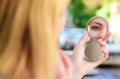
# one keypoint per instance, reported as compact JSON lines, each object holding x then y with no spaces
{"x":82,"y":41}
{"x":77,"y":55}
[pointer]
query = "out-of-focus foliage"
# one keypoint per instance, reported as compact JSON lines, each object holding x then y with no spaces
{"x":105,"y":9}
{"x":81,"y":13}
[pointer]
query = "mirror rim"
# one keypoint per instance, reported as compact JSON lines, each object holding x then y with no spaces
{"x":93,"y":18}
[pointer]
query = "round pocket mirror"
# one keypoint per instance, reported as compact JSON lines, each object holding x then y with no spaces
{"x":97,"y":27}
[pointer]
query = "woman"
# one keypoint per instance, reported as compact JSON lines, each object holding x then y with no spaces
{"x":29,"y":30}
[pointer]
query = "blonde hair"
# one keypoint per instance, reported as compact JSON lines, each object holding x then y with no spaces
{"x":27,"y":44}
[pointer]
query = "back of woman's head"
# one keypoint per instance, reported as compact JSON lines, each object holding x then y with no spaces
{"x":27,"y":43}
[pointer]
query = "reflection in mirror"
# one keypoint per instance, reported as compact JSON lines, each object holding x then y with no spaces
{"x":97,"y":27}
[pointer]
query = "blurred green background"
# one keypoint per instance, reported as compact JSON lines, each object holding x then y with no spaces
{"x":82,"y":10}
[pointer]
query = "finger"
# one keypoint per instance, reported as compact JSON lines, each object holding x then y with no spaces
{"x":106,"y":53}
{"x":105,"y":56}
{"x":107,"y":37}
{"x":102,"y":44}
{"x":78,"y":50}
{"x":83,"y":39}
{"x":65,"y":60}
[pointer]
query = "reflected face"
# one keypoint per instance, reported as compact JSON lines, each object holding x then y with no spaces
{"x":97,"y":28}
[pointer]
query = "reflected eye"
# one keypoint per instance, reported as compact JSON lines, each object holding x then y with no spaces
{"x":95,"y":28}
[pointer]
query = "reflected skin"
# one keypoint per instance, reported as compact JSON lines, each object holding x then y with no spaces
{"x":98,"y":28}
{"x":75,"y":66}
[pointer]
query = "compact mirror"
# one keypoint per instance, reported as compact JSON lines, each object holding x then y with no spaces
{"x":97,"y":27}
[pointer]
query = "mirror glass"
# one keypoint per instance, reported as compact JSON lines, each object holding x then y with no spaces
{"x":97,"y":27}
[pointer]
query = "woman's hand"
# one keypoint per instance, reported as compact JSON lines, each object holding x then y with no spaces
{"x":82,"y":66}
{"x":75,"y":67}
